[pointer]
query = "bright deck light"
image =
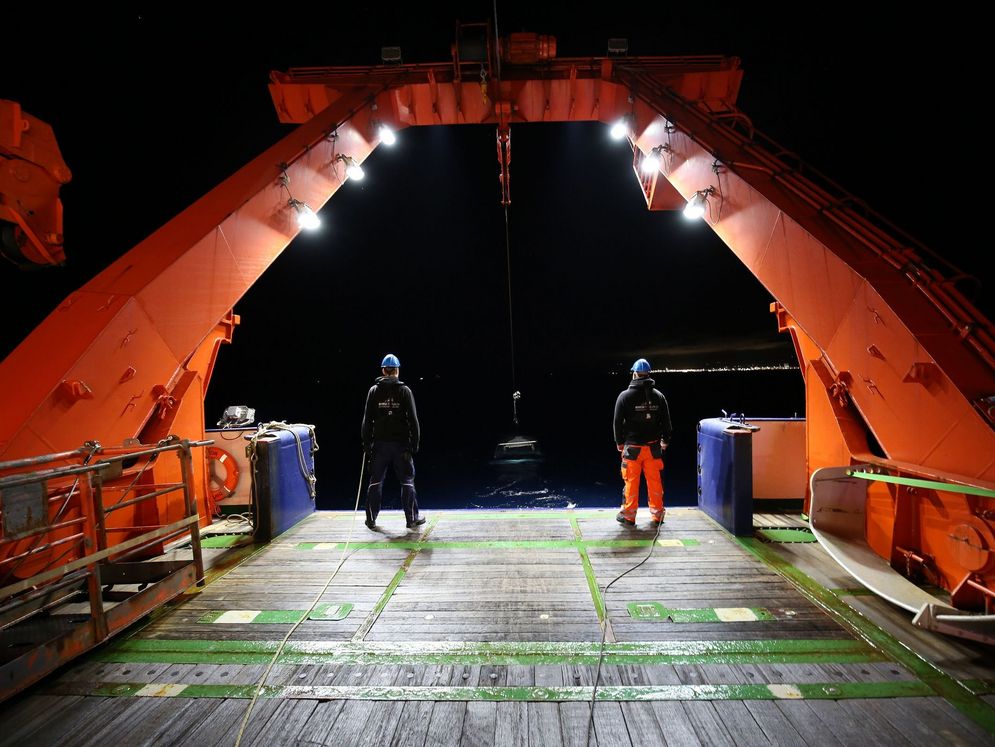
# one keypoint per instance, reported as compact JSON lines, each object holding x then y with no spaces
{"x":387,"y":136}
{"x":352,"y":169}
{"x":619,"y":130}
{"x":696,"y":206}
{"x":651,"y":163}
{"x":307,"y":219}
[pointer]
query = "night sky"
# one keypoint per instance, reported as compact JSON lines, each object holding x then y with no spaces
{"x":156,"y":106}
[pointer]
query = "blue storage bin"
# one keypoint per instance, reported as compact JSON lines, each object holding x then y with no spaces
{"x":282,"y":489}
{"x":725,"y":474}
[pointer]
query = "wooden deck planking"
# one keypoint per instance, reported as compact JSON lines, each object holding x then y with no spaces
{"x":486,"y":593}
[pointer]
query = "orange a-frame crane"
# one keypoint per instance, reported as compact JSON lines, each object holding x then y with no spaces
{"x":891,"y":352}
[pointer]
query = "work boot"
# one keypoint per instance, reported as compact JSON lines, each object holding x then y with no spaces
{"x":657,"y":522}
{"x":416,"y":522}
{"x":370,"y":523}
{"x":621,"y":519}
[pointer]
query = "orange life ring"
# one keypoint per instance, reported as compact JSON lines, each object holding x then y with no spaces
{"x":221,"y":488}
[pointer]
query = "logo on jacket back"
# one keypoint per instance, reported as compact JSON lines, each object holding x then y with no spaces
{"x":649,"y":408}
{"x":389,"y":404}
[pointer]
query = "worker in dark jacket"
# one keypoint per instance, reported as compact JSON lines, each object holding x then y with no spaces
{"x":642,"y":432}
{"x":390,"y":437}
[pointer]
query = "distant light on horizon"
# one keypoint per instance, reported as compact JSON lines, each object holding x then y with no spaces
{"x":723,"y":369}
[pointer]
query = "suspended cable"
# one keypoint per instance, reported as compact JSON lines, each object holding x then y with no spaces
{"x":511,"y":317}
{"x":497,"y":51}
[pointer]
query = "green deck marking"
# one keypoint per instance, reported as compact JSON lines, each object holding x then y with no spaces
{"x":855,"y":592}
{"x":330,"y":612}
{"x":224,"y":540}
{"x":656,"y":611}
{"x":928,"y":484}
{"x":980,"y":687}
{"x":252,"y":617}
{"x":938,"y":681}
{"x":639,"y":542}
{"x":819,"y":691}
{"x":506,"y":652}
{"x":360,"y":634}
{"x":592,"y":581}
{"x":786,"y":535}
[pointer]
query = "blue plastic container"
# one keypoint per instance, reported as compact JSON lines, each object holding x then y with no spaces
{"x":725,"y":474}
{"x":282,"y":489}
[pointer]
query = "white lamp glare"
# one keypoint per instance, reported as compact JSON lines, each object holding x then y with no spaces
{"x":651,"y":164}
{"x":352,"y":169}
{"x":387,"y":136}
{"x":695,"y":208}
{"x":619,"y":130}
{"x":307,"y":219}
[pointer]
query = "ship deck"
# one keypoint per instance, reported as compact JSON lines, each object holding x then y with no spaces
{"x":485,"y":628}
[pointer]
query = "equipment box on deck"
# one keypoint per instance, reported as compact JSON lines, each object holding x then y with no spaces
{"x":725,"y":474}
{"x":282,"y":479}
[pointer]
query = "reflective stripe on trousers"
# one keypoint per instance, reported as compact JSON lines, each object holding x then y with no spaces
{"x":645,"y":464}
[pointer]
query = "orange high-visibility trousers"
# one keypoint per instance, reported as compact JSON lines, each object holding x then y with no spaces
{"x":644,"y":463}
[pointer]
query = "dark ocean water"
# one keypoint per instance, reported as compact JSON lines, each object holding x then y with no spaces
{"x":572,"y":419}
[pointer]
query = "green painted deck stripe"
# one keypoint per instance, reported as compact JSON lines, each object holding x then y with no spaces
{"x":786,"y":535}
{"x":331,"y":612}
{"x":360,"y":634}
{"x":592,"y":581}
{"x":854,"y":592}
{"x":484,"y":544}
{"x":656,"y":611}
{"x":636,"y":542}
{"x":261,"y":617}
{"x":938,"y":681}
{"x":980,"y":687}
{"x":820,"y":691}
{"x":327,"y":611}
{"x":460,"y":653}
{"x":225,"y":540}
{"x":928,"y":484}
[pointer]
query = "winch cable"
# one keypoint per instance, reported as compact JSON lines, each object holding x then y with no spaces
{"x":604,"y":635}
{"x":511,"y":317}
{"x":317,"y":599}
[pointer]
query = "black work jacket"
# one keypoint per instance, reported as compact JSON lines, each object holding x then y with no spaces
{"x":641,"y":414}
{"x":390,"y":414}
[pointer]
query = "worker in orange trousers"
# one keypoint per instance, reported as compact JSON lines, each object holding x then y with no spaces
{"x":642,"y":432}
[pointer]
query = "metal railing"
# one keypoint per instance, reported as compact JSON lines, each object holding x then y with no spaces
{"x":70,"y":521}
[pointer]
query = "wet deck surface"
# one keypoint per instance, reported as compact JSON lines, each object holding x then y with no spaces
{"x":485,"y":628}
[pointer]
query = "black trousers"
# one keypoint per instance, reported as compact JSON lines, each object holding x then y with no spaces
{"x":387,"y":454}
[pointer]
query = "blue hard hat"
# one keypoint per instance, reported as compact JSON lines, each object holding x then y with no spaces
{"x":390,"y":361}
{"x":641,"y":366}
